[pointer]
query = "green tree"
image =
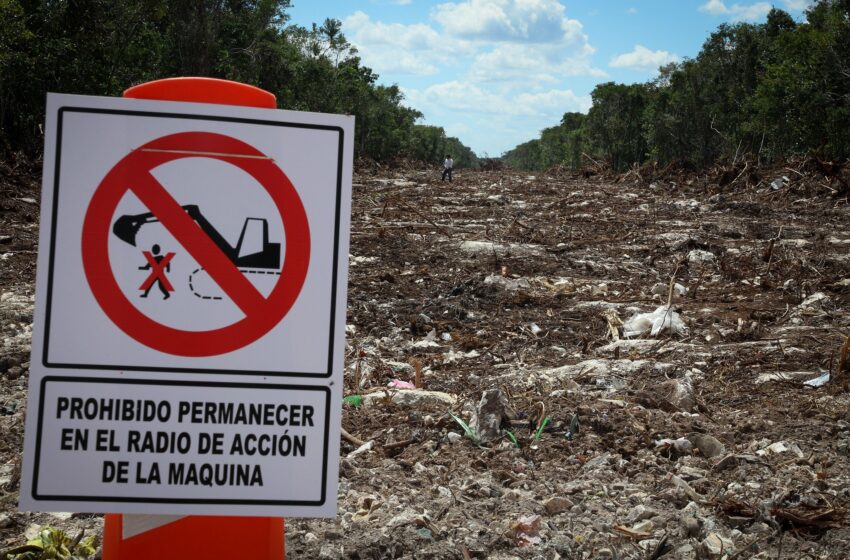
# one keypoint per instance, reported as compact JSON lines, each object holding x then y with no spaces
{"x":802,"y":103}
{"x":430,"y":143}
{"x":101,"y":47}
{"x":615,"y":123}
{"x":525,"y":156}
{"x":766,"y":91}
{"x":558,"y":145}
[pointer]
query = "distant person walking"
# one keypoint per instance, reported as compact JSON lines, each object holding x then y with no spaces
{"x":447,"y":168}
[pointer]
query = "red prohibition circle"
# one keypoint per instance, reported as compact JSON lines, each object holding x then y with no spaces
{"x":133,"y":174}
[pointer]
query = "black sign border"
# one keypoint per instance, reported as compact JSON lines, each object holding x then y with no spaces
{"x":133,"y":499}
{"x":45,"y":360}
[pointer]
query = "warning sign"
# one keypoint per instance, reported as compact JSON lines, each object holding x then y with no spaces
{"x":227,"y":266}
{"x":190,"y":307}
{"x":139,"y":441}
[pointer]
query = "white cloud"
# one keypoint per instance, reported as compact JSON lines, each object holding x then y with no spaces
{"x":737,"y":12}
{"x":459,"y":96}
{"x":750,"y":13}
{"x":457,"y":129}
{"x":502,"y":65}
{"x":641,"y":58}
{"x":468,"y":98}
{"x":531,"y":42}
{"x":632,"y":10}
{"x":405,"y":49}
{"x":798,"y":5}
{"x":555,"y":102}
{"x":532,"y":64}
{"x":385,"y":61}
{"x":536,"y":21}
{"x":506,"y":42}
{"x":491,"y":121}
{"x":403,"y":2}
{"x":715,"y":7}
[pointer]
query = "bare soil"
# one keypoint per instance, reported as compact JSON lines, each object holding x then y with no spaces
{"x":519,"y":283}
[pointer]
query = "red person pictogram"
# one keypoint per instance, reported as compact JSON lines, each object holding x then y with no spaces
{"x":159,"y":265}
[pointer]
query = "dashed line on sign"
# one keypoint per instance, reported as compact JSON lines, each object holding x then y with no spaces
{"x":197,"y":270}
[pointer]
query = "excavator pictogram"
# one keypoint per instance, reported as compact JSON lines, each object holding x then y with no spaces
{"x":253,"y":253}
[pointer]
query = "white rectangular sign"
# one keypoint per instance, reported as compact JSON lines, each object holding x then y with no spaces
{"x":192,"y":260}
{"x":148,"y":441}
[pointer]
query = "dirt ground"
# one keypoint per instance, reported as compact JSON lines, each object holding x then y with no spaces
{"x":705,"y":442}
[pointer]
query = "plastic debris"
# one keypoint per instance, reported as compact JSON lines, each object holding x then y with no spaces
{"x":783,"y":376}
{"x":661,"y":289}
{"x":811,"y":304}
{"x":399,"y":384}
{"x":698,"y":256}
{"x":508,"y":283}
{"x":417,"y":398}
{"x":819,"y":381}
{"x":354,"y":400}
{"x":362,"y":449}
{"x":779,"y":183}
{"x":663,"y":318}
{"x":680,"y":445}
{"x":429,"y":340}
{"x":781,"y":447}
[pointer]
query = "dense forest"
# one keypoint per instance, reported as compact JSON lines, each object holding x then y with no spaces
{"x":102,"y":47}
{"x":757,"y":91}
{"x":763,"y":92}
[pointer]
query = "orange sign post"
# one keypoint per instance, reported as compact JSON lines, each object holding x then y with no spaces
{"x":257,"y":538}
{"x":260,"y":538}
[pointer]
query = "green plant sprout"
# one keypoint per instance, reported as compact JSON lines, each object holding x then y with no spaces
{"x":540,"y":428}
{"x":470,"y":433}
{"x":52,"y":543}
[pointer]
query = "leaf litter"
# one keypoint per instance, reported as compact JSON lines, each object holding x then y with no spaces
{"x":525,"y":285}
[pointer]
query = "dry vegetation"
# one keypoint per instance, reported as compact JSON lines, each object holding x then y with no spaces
{"x":519,"y":287}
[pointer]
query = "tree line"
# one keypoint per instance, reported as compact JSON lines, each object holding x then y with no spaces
{"x":102,"y":47}
{"x":763,"y":92}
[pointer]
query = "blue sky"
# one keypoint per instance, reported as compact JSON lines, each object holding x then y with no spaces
{"x":496,"y":72}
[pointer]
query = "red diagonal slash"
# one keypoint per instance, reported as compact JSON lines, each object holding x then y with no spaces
{"x":175,"y":219}
{"x":157,"y":271}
